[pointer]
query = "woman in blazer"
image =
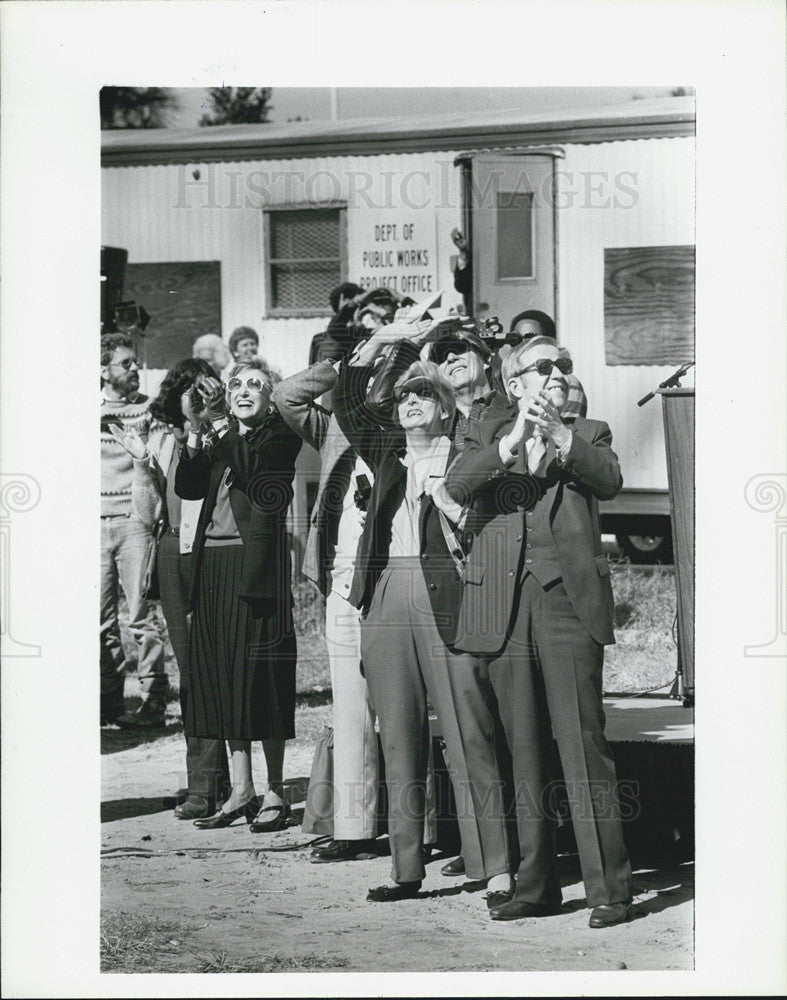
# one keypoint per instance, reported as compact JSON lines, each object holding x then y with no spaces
{"x":242,"y":647}
{"x":408,"y":587}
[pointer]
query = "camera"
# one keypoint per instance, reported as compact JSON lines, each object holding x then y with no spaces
{"x":362,"y":494}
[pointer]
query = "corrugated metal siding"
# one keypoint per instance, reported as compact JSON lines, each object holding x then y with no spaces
{"x":159,"y":213}
{"x":660,"y":213}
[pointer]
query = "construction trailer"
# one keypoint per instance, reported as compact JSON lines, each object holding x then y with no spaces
{"x":588,"y":216}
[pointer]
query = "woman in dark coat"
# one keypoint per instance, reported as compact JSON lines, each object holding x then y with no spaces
{"x":242,"y":646}
{"x":408,"y":588}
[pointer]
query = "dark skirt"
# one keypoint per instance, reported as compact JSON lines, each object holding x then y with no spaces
{"x":242,"y":667}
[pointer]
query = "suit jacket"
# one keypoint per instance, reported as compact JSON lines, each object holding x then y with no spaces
{"x":294,"y":398}
{"x":500,"y":494}
{"x":262,"y":464}
{"x":383,"y":448}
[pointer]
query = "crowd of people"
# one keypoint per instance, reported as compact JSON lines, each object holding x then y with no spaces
{"x":455,"y":537}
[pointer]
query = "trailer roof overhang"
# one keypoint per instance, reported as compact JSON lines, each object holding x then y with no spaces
{"x":668,"y":117}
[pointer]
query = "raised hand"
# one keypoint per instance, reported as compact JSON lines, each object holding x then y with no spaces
{"x":459,"y":240}
{"x":130,"y":440}
{"x":521,"y":429}
{"x":546,"y":418}
{"x":211,"y":393}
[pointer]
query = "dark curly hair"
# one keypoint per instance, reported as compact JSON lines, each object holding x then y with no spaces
{"x":110,"y":342}
{"x":181,"y":377}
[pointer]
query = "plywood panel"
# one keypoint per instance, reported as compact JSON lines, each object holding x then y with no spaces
{"x":184,"y":301}
{"x":649,"y":305}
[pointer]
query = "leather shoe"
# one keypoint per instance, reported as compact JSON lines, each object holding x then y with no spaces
{"x":609,"y":914}
{"x":393,"y":893}
{"x":195,"y":807}
{"x":221,"y":818}
{"x":279,"y":818}
{"x":343,"y":850}
{"x":495,"y":899}
{"x":454,"y":867}
{"x":150,"y":715}
{"x":517,"y":909}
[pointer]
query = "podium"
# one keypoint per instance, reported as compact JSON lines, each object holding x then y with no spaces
{"x":678,"y":409}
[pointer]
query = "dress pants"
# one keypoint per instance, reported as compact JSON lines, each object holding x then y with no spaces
{"x":206,"y":759}
{"x":404,"y":657}
{"x":356,"y":768}
{"x":124,"y":541}
{"x":548,"y":679}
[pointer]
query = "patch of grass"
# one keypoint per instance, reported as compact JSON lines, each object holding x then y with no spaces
{"x":309,"y":609}
{"x":133,"y":942}
{"x":645,"y":655}
{"x":223,"y":962}
{"x":310,"y":722}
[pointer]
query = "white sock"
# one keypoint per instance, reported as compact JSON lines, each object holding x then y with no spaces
{"x":500,"y":883}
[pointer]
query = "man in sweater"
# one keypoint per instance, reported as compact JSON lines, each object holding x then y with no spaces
{"x":124,"y":540}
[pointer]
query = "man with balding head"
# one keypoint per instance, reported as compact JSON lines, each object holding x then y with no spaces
{"x":538,"y":603}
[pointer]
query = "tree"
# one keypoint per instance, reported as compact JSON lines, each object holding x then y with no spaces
{"x":136,"y":107}
{"x":238,"y":105}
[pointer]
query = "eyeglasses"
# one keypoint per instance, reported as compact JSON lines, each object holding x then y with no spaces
{"x":544,"y":366}
{"x":253,"y":382}
{"x":442,"y":349}
{"x":422,"y":389}
{"x":126,"y":364}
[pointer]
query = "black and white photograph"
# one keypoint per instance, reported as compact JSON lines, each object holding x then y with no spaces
{"x":411,"y":514}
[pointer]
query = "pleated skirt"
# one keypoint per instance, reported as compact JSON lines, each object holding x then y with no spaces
{"x":242,"y":667}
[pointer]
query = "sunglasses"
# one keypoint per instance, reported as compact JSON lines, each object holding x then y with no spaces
{"x":423,"y":390}
{"x":441,"y":350}
{"x":544,"y":366}
{"x":253,"y":382}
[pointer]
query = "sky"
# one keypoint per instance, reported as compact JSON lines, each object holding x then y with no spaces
{"x":314,"y":103}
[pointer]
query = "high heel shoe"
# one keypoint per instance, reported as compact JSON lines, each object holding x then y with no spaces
{"x":221,"y":818}
{"x":280,"y":818}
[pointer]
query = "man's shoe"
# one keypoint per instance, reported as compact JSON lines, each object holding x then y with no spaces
{"x":455,"y":867}
{"x":393,"y":893}
{"x":609,"y":914}
{"x":496,"y":899}
{"x":343,"y":850}
{"x":149,"y":715}
{"x":518,"y":909}
{"x":195,"y":807}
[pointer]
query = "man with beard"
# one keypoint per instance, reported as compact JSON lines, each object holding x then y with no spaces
{"x":124,"y":542}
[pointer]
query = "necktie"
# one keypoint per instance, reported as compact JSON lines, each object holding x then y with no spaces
{"x":536,"y":449}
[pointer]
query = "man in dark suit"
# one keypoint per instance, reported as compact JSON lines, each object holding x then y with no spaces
{"x":538,"y":603}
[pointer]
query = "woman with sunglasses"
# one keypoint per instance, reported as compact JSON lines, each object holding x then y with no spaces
{"x":242,"y":649}
{"x":408,"y":587}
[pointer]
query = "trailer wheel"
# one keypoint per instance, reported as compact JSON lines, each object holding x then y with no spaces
{"x":646,"y":549}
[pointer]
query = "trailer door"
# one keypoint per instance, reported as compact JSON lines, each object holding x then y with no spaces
{"x":510,"y":211}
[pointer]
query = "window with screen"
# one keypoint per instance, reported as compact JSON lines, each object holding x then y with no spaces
{"x":514,"y":234}
{"x":306,"y":259}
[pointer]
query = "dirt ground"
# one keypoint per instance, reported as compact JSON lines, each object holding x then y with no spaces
{"x":179,"y":899}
